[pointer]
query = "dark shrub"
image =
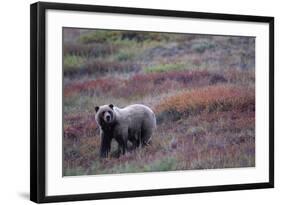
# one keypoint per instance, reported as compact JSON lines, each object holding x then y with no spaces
{"x":216,"y":78}
{"x":88,"y":50}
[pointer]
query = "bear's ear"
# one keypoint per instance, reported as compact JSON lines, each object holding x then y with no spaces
{"x":97,"y":108}
{"x":111,"y":106}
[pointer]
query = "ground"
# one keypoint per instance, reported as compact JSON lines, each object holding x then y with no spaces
{"x":201,"y":87}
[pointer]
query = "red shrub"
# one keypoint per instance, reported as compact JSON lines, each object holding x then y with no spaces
{"x":77,"y":126}
{"x":99,"y":85}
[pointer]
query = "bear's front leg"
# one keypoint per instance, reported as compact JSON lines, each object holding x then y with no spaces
{"x":105,"y":146}
{"x":122,"y":143}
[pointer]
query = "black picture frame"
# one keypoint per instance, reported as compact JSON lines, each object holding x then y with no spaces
{"x":38,"y":101}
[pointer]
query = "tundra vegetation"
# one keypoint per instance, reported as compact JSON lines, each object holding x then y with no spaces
{"x":201,"y":88}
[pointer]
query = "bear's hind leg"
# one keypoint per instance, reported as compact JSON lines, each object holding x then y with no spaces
{"x":145,"y":136}
{"x":134,"y":139}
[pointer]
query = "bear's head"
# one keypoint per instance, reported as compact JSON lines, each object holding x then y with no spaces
{"x":105,"y":115}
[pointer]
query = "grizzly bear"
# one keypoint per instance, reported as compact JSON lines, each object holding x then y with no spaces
{"x":134,"y":123}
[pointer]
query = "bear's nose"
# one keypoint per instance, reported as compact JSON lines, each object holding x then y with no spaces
{"x":107,"y":117}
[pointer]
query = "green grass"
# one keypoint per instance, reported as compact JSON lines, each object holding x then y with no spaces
{"x":125,"y":55}
{"x":164,"y":164}
{"x":202,"y":46}
{"x":131,"y":50}
{"x":102,"y":36}
{"x":71,"y":62}
{"x":75,"y":172}
{"x":99,"y":36}
{"x":165,"y":68}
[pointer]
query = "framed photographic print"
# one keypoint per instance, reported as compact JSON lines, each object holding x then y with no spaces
{"x":129,"y":102}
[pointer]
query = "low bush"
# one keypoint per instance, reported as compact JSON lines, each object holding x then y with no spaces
{"x":217,"y":78}
{"x":210,"y":99}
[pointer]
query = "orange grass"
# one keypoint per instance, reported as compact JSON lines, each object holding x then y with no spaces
{"x":218,"y":97}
